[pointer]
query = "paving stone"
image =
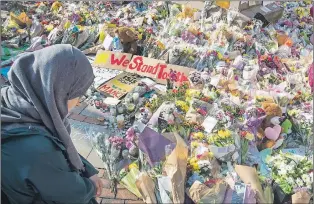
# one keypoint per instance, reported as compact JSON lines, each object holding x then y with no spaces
{"x":108,"y":201}
{"x":95,"y":159}
{"x":92,"y":121}
{"x":78,"y":136}
{"x":106,"y":175}
{"x":78,"y":117}
{"x":126,"y":194}
{"x":101,"y":172}
{"x":134,"y":202}
{"x":119,"y":186}
{"x":106,"y":183}
{"x":106,"y":193}
{"x":91,"y":111}
{"x":98,"y":200}
{"x":79,"y":108}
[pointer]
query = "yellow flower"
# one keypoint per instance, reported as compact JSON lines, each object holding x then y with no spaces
{"x":194,"y":144}
{"x":210,"y":155}
{"x":195,"y":167}
{"x":133,"y":165}
{"x":193,"y":160}
{"x":192,"y":93}
{"x":220,"y":56}
{"x":224,"y":133}
{"x":199,"y":135}
{"x":160,"y":45}
{"x":183,"y":105}
{"x":249,"y":136}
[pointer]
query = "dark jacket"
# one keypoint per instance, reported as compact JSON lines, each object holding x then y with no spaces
{"x":34,"y":169}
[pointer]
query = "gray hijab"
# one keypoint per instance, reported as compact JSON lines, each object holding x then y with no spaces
{"x":41,"y":83}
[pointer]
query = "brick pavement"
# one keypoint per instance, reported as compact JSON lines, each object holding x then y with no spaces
{"x":123,"y":195}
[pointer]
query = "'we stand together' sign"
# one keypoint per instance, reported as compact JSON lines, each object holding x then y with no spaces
{"x":156,"y":69}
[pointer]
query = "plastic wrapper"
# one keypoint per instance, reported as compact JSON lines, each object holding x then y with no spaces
{"x":165,"y":189}
{"x":129,"y":181}
{"x":153,"y":144}
{"x":223,"y":153}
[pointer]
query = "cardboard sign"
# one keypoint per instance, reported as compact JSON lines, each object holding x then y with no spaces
{"x":112,"y":60}
{"x":120,"y":85}
{"x":146,"y":66}
{"x":182,"y":74}
{"x":156,"y":69}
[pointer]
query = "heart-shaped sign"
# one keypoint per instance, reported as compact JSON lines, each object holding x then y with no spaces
{"x":273,"y":133}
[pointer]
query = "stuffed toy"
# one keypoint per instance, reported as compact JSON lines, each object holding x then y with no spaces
{"x":128,"y":39}
{"x":272,"y":109}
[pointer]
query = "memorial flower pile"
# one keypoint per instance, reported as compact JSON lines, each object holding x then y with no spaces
{"x":205,"y":106}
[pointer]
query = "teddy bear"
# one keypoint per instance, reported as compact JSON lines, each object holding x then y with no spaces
{"x":128,"y":39}
{"x":272,"y":109}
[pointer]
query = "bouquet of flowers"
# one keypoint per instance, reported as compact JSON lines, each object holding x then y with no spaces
{"x":222,"y":144}
{"x":291,"y":172}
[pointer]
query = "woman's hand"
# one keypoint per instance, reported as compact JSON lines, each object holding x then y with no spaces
{"x":98,"y":183}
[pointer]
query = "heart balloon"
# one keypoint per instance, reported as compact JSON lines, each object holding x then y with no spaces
{"x":273,"y":133}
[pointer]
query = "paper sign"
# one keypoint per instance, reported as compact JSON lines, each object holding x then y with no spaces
{"x":148,"y":82}
{"x":111,"y":101}
{"x":120,"y":85}
{"x":138,"y":21}
{"x":209,"y":124}
{"x":112,"y":60}
{"x":215,"y":80}
{"x":108,"y":42}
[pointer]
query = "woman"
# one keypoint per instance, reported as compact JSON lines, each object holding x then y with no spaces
{"x":39,"y":163}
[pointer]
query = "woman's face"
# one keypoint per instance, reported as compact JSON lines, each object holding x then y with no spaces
{"x":72,"y":103}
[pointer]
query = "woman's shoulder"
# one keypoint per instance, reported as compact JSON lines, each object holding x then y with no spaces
{"x":29,"y":131}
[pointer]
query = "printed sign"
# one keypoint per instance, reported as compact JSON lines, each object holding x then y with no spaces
{"x":157,"y":69}
{"x":112,"y":60}
{"x":120,"y":85}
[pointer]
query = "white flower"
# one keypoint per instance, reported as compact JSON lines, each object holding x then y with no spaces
{"x":289,"y":168}
{"x":282,"y":171}
{"x":290,"y":180}
{"x":299,"y":182}
{"x":306,"y":178}
{"x":292,"y":164}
